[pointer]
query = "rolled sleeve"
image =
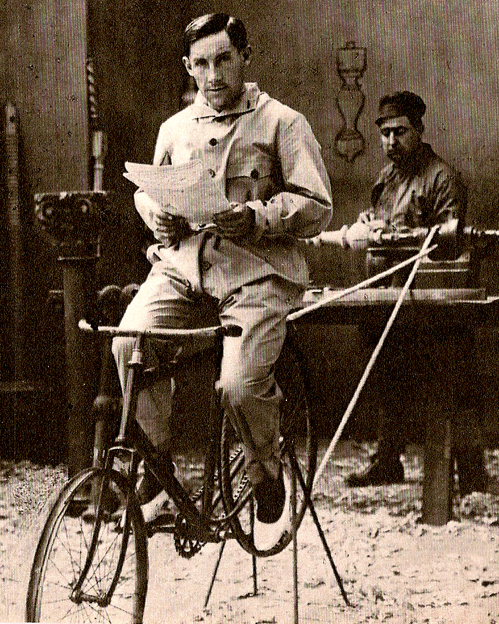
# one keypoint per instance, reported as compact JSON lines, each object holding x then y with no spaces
{"x":451,"y":197}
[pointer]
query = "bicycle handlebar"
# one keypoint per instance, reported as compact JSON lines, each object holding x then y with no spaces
{"x":178,"y":334}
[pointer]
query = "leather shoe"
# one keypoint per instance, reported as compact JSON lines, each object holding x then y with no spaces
{"x":273,"y":516}
{"x":383,"y":471}
{"x":159,"y":507}
{"x":270,"y":496}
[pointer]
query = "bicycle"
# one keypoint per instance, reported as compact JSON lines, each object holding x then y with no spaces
{"x":106,"y":571}
{"x":91,"y":563}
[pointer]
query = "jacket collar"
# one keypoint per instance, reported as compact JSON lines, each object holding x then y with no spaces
{"x":247,"y":102}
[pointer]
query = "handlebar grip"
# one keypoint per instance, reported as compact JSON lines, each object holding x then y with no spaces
{"x":85,"y":326}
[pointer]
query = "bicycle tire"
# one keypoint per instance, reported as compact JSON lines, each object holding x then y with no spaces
{"x":297,"y":436}
{"x":91,"y":562}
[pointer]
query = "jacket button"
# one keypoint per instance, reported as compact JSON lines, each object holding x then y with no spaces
{"x":213,"y":142}
{"x":205,"y":265}
{"x":211,"y":173}
{"x":254,"y":174}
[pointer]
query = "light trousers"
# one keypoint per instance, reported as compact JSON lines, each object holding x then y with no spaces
{"x":249,"y":392}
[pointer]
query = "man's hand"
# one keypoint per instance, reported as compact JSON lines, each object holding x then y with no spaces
{"x":368,"y":219}
{"x":237,"y":222}
{"x":357,"y":236}
{"x":364,"y":232}
{"x":171,"y":229}
{"x":448,"y":231}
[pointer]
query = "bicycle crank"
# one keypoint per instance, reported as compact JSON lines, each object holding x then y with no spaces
{"x":186,"y":541}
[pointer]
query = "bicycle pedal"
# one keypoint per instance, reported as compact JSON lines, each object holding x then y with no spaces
{"x":162,"y":524}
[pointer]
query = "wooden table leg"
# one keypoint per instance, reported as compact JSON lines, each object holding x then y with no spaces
{"x":438,"y":471}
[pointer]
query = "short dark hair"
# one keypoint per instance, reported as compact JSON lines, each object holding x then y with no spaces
{"x":402,"y":104}
{"x":213,"y":23}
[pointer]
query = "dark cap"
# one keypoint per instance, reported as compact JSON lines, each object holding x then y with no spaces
{"x":401,"y":104}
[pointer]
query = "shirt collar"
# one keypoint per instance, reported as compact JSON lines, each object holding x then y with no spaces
{"x":246,"y":103}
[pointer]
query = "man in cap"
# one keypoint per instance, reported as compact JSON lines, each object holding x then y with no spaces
{"x":417,"y":190}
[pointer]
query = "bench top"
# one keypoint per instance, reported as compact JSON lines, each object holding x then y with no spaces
{"x":444,"y":306}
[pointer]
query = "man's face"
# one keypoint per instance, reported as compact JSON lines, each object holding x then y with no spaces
{"x":218,"y":69}
{"x":399,"y":139}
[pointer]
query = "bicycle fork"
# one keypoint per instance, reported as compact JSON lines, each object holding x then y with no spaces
{"x":101,"y":498}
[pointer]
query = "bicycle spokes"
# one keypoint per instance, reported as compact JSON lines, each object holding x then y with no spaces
{"x":91,"y":565}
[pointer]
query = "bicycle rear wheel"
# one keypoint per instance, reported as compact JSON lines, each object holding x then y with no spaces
{"x":91,"y":561}
{"x":297,"y":437}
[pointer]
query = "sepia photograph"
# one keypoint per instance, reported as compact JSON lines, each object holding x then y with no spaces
{"x":249,"y":320}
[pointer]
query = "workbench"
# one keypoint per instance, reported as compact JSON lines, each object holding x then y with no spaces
{"x":444,"y":308}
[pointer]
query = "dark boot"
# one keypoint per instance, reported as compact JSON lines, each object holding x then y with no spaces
{"x":385,"y":469}
{"x":148,"y":487}
{"x":471,"y":470}
{"x":270,"y":496}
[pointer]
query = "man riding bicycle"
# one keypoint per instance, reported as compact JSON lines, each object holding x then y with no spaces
{"x":270,"y":164}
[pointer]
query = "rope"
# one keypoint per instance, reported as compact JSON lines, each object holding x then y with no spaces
{"x":425,"y":249}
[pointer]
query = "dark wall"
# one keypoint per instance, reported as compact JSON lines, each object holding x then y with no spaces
{"x":43,"y":75}
{"x":444,"y":51}
{"x":139,"y":78}
{"x":42,"y":72}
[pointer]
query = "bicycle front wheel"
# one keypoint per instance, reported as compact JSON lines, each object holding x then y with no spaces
{"x":297,"y":438}
{"x":91,"y":561}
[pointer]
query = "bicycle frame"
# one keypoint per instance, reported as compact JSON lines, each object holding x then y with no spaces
{"x":202,"y":524}
{"x":132,"y":440}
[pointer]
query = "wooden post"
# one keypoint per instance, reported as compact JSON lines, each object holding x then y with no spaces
{"x":72,"y":221}
{"x":17,"y":333}
{"x":81,"y":361}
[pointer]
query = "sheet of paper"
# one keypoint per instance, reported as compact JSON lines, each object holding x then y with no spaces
{"x":186,"y":190}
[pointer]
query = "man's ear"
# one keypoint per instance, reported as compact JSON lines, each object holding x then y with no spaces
{"x":187,"y":64}
{"x":246,"y":54}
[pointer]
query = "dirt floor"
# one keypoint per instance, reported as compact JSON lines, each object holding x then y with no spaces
{"x":393,"y":568}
